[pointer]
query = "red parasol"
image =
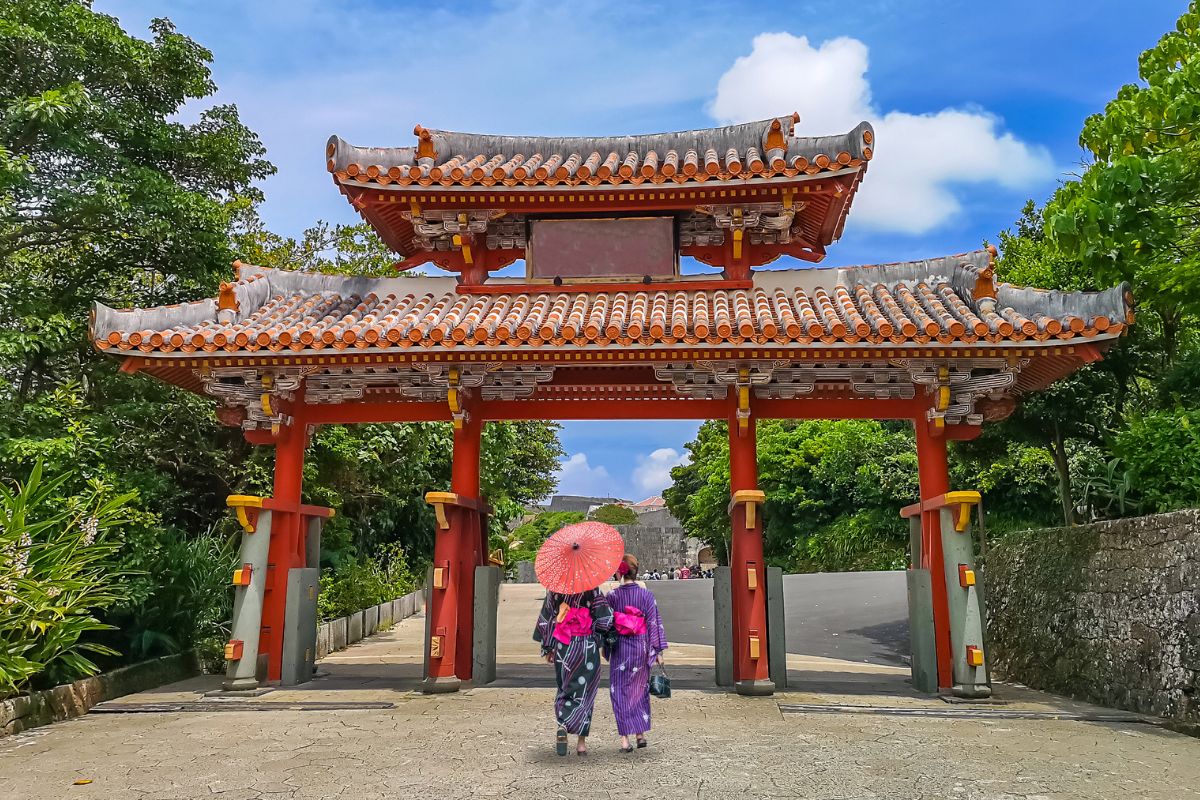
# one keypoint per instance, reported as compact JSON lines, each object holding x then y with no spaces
{"x":579,"y":557}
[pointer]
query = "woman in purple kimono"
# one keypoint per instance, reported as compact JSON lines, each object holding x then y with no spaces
{"x":569,"y":629}
{"x":640,"y":644}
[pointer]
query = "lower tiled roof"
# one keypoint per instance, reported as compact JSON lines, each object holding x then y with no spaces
{"x":920,"y":302}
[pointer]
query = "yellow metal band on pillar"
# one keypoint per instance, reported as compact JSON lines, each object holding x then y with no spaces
{"x":787,"y":199}
{"x":755,"y":648}
{"x":750,"y":513}
{"x":265,"y":401}
{"x":414,"y":208}
{"x":737,"y":244}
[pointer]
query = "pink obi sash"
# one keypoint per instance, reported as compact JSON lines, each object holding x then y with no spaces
{"x":577,"y":622}
{"x":630,"y":622}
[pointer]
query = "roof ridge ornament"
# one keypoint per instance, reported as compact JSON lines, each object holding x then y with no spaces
{"x":425,"y":148}
{"x":985,"y":280}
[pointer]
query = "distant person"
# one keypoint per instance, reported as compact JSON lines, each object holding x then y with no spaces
{"x":685,"y":573}
{"x":641,"y":641}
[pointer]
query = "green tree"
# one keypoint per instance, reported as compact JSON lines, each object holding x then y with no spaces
{"x":1134,"y":214}
{"x":524,"y":541}
{"x":343,"y":249}
{"x":834,"y":490}
{"x":1076,"y":408}
{"x":614,"y":514}
{"x":104,"y":193}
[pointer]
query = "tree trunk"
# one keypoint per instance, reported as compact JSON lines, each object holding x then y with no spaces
{"x":1058,"y":450}
{"x":1170,"y":332}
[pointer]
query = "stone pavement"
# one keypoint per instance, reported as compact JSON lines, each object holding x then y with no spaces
{"x":360,"y":732}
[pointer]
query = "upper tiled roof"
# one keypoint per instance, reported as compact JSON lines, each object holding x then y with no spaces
{"x":947,"y":300}
{"x":761,"y":149}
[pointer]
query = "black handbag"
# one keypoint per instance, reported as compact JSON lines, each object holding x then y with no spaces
{"x":660,"y":682}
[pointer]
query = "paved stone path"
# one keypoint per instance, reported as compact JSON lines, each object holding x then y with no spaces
{"x":495,"y":741}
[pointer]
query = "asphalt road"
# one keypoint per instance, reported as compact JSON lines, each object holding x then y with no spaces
{"x":857,"y":616}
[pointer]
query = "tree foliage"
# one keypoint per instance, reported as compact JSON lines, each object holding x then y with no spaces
{"x":104,"y":192}
{"x":117,"y":184}
{"x":819,"y":477}
{"x":1134,"y":214}
{"x":523,"y":543}
{"x":614,"y":514}
{"x":55,"y":578}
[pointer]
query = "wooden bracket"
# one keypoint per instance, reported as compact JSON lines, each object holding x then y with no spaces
{"x":439,"y":501}
{"x":743,"y":401}
{"x":752,"y":498}
{"x":241,"y":503}
{"x":961,"y":502}
{"x":457,"y":414}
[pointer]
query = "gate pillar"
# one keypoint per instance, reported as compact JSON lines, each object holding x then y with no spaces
{"x":751,"y":673}
{"x":460,"y":546}
{"x":965,"y":627}
{"x":253,"y":654}
{"x":934,"y":479}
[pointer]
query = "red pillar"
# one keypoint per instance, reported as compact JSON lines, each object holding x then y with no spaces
{"x":751,"y":675}
{"x":287,"y":542}
{"x":457,"y":551}
{"x":934,"y":477}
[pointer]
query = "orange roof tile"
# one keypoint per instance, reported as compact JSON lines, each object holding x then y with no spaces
{"x":914,"y":303}
{"x":762,"y":149}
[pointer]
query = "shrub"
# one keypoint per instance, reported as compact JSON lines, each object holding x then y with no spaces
{"x":872,"y":539}
{"x":1161,"y":451}
{"x":178,"y":593}
{"x":362,"y":582}
{"x":54,"y":578}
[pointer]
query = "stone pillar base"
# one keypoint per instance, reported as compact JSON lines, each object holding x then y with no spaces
{"x":440,"y":685}
{"x":971,"y":691}
{"x":755,"y":688}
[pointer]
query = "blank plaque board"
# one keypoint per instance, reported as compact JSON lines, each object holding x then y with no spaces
{"x":595,"y":249}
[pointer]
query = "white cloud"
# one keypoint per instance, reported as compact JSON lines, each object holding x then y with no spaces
{"x":577,"y":476}
{"x":920,"y":158}
{"x":653,"y":472}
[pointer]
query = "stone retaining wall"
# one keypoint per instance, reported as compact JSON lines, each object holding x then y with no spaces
{"x":660,"y":547}
{"x":76,"y":699}
{"x":1107,"y":612}
{"x":338,"y":634}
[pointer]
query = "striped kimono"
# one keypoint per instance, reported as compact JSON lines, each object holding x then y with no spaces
{"x":577,"y":663}
{"x":629,"y":667}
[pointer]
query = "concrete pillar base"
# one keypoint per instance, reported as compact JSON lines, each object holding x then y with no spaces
{"x":971,"y":691}
{"x":441,"y":685}
{"x":755,"y":688}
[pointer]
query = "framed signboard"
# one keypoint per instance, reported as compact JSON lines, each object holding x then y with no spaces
{"x":581,"y":250}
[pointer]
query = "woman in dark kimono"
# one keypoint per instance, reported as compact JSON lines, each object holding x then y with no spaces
{"x":569,"y":629}
{"x":640,"y":643}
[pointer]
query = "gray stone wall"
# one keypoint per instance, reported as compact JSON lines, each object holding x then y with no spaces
{"x":1107,"y":612}
{"x":659,"y":547}
{"x":659,"y":517}
{"x":75,"y":699}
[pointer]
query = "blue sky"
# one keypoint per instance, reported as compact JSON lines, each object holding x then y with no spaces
{"x":977,"y":106}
